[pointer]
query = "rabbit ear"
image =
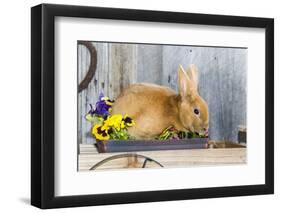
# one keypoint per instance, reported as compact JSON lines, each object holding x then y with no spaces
{"x":186,"y":86}
{"x":192,"y":73}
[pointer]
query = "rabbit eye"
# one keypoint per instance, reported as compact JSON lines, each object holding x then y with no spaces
{"x":196,"y":111}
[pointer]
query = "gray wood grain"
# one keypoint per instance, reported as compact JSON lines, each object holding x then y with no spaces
{"x":222,"y":80}
{"x":149,"y":63}
{"x":97,"y":85}
{"x":122,"y":67}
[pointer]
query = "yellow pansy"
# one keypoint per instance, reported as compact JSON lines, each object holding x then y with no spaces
{"x":113,"y":121}
{"x":123,"y":125}
{"x":99,"y":133}
{"x":129,"y":121}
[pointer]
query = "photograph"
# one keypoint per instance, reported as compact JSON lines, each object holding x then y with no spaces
{"x":143,"y":105}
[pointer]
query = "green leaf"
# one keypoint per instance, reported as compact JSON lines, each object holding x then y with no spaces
{"x":94,"y":119}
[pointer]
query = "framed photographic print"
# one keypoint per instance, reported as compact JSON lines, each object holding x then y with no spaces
{"x":139,"y":106}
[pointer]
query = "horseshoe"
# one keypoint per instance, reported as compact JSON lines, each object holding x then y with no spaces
{"x":92,"y":68}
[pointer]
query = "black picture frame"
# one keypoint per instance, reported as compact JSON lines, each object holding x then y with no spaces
{"x":43,"y":102}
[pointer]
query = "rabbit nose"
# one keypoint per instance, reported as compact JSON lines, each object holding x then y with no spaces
{"x":206,"y":130}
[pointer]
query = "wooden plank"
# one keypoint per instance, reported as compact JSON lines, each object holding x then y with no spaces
{"x":149,"y":63}
{"x":96,"y":86}
{"x":79,"y":96}
{"x":122,"y":67}
{"x":170,"y":158}
{"x":83,"y":64}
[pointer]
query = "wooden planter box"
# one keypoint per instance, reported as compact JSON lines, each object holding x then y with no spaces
{"x":150,"y":145}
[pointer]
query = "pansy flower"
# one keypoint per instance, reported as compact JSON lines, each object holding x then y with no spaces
{"x":113,"y":121}
{"x":103,"y":105}
{"x":99,"y":133}
{"x":128,"y":121}
{"x":107,"y":126}
{"x":107,"y":100}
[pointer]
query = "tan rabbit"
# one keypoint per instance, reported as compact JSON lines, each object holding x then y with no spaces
{"x":155,"y":107}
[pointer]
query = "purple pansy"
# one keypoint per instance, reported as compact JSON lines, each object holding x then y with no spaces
{"x":102,"y":108}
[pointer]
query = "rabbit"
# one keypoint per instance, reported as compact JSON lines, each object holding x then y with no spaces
{"x":155,"y":107}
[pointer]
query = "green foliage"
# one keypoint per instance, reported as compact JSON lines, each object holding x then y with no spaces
{"x":122,"y":134}
{"x":94,"y":119}
{"x":172,"y":133}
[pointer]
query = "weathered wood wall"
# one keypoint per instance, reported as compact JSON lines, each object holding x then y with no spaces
{"x":222,"y":80}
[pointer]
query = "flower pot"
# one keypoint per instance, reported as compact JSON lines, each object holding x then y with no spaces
{"x":150,"y":145}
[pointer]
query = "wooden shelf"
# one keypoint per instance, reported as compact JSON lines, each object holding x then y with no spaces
{"x":221,"y":154}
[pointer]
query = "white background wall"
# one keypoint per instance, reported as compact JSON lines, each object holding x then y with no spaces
{"x":15,"y":106}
